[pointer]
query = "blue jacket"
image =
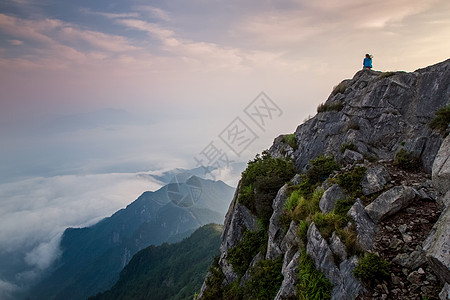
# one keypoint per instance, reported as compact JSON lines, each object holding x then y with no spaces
{"x":367,"y":63}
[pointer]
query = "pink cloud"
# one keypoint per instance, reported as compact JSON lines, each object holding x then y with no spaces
{"x":16,"y":42}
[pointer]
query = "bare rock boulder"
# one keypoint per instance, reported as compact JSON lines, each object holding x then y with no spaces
{"x":390,"y":202}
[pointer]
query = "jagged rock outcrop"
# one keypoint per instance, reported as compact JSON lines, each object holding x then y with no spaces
{"x":441,"y":169}
{"x":290,"y":273}
{"x":365,"y":227}
{"x":345,"y":285}
{"x":379,"y":115}
{"x":329,"y":198}
{"x":365,"y":122}
{"x":374,"y":180}
{"x":237,"y":219}
{"x":276,"y":232}
{"x":437,"y":245}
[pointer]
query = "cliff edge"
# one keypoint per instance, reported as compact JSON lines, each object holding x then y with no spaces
{"x":353,"y":205}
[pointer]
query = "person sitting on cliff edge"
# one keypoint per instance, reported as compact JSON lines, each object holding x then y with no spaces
{"x":367,"y":62}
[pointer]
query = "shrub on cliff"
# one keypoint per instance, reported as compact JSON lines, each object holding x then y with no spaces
{"x":324,"y":107}
{"x":371,"y":267}
{"x":407,"y":160}
{"x":351,"y":180}
{"x":261,"y":181}
{"x":241,"y":255}
{"x":441,"y":119}
{"x":321,"y":168}
{"x":290,"y":140}
{"x":266,"y":279}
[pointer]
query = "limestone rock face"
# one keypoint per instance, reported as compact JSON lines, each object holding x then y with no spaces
{"x":378,"y":116}
{"x":329,"y":198}
{"x":390,"y":202}
{"x":321,"y":254}
{"x":445,"y":293}
{"x":374,"y":180}
{"x":238,"y":219}
{"x":351,"y":157}
{"x":276,"y":232}
{"x":441,"y":167}
{"x":365,"y":227}
{"x":437,"y":246}
{"x":290,"y":273}
{"x":345,"y":285}
{"x":337,"y":247}
{"x":290,"y":243}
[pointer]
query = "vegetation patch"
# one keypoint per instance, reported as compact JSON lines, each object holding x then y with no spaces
{"x":407,"y":160}
{"x":441,"y":119}
{"x":329,"y":222}
{"x":264,"y":282}
{"x":371,"y":267}
{"x":303,"y":231}
{"x":307,"y":207}
{"x":261,"y":181}
{"x":321,"y":168}
{"x":312,"y":284}
{"x":303,"y":202}
{"x":266,"y":279}
{"x":386,"y":74}
{"x":351,"y":180}
{"x":349,"y":146}
{"x":290,"y":140}
{"x":241,"y":255}
{"x":342,"y":206}
{"x":336,"y":106}
{"x":340,"y":88}
{"x":214,"y":282}
{"x":348,"y":236}
{"x":292,"y":201}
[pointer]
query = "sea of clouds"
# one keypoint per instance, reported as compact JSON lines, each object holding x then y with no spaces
{"x":35,"y":212}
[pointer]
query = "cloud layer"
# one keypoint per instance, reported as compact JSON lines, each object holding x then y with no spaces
{"x":35,"y":212}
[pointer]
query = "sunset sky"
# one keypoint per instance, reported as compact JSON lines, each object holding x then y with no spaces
{"x":101,"y":91}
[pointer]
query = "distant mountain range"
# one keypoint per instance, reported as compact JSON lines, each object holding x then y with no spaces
{"x":93,"y":257}
{"x":160,"y":272}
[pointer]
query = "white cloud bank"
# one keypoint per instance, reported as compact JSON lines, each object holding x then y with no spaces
{"x":35,"y":212}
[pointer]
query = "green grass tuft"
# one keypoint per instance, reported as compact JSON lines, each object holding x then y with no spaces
{"x":324,"y":107}
{"x":327,"y":223}
{"x":312,"y":284}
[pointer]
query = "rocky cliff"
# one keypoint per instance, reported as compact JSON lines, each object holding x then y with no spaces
{"x":365,"y":214}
